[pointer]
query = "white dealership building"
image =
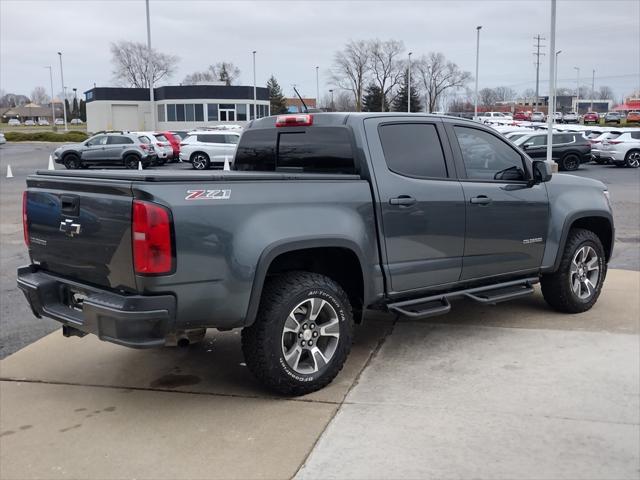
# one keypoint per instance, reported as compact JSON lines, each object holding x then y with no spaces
{"x":182,"y":107}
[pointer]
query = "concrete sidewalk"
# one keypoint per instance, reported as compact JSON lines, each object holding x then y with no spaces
{"x":514,"y":391}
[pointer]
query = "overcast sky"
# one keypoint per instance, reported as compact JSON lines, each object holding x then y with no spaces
{"x":292,"y":37}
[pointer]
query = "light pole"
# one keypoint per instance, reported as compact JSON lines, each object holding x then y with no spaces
{"x":475,"y":107}
{"x":255,"y":98}
{"x":64,"y":92}
{"x":593,"y":87}
{"x":317,"y":88}
{"x":552,"y":82}
{"x":409,"y":84}
{"x":53,"y":107}
{"x":75,"y":102}
{"x":332,"y":107}
{"x":577,"y":69}
{"x":150,"y":70}
{"x":555,"y":87}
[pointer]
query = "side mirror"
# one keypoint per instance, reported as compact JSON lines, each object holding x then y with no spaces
{"x":526,"y":146}
{"x":542,"y":171}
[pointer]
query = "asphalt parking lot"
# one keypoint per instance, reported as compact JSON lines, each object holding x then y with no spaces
{"x":514,"y":391}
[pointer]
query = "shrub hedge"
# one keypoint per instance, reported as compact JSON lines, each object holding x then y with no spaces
{"x":72,"y":136}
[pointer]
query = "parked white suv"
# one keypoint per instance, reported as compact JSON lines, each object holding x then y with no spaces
{"x":161,"y":145}
{"x":622,"y":148}
{"x":494,"y":117}
{"x":209,"y":148}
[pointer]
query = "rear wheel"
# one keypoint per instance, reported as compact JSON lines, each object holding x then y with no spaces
{"x":576,"y":285}
{"x":131,"y":162}
{"x":570,"y":162}
{"x":302,"y":334}
{"x":632,"y":159}
{"x":200,"y":161}
{"x":72,"y":161}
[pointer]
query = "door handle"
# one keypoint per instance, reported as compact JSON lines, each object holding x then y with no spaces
{"x":402,"y":200}
{"x":481,"y":200}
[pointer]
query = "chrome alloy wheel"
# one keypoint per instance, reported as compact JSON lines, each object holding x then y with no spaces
{"x":199,"y":162}
{"x":310,"y":336}
{"x":585,"y":272}
{"x":634,"y":160}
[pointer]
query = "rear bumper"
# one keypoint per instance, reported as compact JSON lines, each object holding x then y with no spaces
{"x":137,"y":321}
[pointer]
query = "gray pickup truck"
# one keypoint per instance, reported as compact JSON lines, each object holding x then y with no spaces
{"x":325,"y":216}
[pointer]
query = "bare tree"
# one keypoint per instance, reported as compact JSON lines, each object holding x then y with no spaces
{"x":487,"y":97}
{"x":439,"y":75}
{"x":505,"y":94}
{"x":605,"y":93}
{"x":132,"y":68}
{"x":386,"y":68}
{"x":350,"y":68}
{"x":225,"y":72}
{"x":39,"y":96}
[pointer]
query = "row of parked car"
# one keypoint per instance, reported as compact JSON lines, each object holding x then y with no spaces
{"x":42,"y":122}
{"x":204,"y":149}
{"x":572,"y":147}
{"x":559,"y":117}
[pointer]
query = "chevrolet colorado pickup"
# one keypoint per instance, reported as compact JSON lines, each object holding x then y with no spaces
{"x":325,"y":216}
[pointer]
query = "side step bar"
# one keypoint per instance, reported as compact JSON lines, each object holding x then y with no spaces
{"x":420,"y":308}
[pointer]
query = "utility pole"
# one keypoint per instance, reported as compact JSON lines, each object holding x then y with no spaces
{"x":593,"y":87}
{"x":555,"y":86}
{"x":475,"y":105}
{"x":255,"y":97}
{"x":150,"y":69}
{"x":538,"y":38}
{"x":552,"y":80}
{"x":53,"y":108}
{"x":317,"y":89}
{"x":332,"y":107}
{"x":64,"y":93}
{"x":577,"y":69}
{"x":409,"y":84}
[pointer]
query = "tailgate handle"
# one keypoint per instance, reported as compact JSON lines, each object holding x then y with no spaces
{"x":70,"y":205}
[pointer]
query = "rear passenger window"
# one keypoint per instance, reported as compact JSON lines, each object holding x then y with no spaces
{"x":562,"y":138}
{"x":211,"y":138}
{"x":635,"y":135}
{"x":413,"y":150}
{"x":118,"y":140}
{"x":232,"y":139}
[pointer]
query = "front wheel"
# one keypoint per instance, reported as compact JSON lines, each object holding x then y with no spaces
{"x":72,"y":161}
{"x":632,"y":159}
{"x":302,"y":333}
{"x":576,"y":285}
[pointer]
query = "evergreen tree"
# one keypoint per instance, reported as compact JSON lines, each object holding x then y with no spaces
{"x":67,"y":108}
{"x":74,"y":109}
{"x":83,"y":110}
{"x":276,"y":97}
{"x":373,"y":98}
{"x":400,"y":102}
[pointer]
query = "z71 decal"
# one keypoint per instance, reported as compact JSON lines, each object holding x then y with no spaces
{"x":208,"y":195}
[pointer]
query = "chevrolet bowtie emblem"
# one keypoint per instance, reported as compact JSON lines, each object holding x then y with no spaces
{"x":70,"y":228}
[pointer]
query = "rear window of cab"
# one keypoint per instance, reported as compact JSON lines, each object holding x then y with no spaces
{"x":308,"y":150}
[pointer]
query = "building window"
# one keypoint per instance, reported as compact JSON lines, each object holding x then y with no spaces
{"x":227,"y":112}
{"x":171,"y":113}
{"x":161,"y":117}
{"x":212,"y":112}
{"x":241,"y":112}
{"x":199,"y":110}
{"x":251,"y":115}
{"x":180,"y":112}
{"x":189,"y":113}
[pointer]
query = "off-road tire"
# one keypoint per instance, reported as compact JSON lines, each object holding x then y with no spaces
{"x":556,"y":287}
{"x":262,"y":341}
{"x":131,"y":162}
{"x":72,"y":161}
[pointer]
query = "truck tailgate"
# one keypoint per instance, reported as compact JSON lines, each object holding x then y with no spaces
{"x":80,"y":228}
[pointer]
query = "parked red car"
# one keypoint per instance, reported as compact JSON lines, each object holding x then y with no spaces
{"x":591,"y":117}
{"x":633,"y":117}
{"x":525,"y":116}
{"x":174,"y":140}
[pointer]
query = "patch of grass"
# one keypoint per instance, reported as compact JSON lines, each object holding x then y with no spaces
{"x":73,"y":136}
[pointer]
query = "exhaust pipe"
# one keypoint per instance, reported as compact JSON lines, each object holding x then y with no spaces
{"x":184,"y":338}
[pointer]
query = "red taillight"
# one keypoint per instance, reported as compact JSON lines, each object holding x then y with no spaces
{"x":145,"y":147}
{"x":151,"y":238}
{"x":615,"y":142}
{"x":160,"y":144}
{"x":303,"y":120}
{"x":594,"y":141}
{"x":183,"y":144}
{"x":25,"y":223}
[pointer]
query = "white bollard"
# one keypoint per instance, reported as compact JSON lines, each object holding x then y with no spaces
{"x":139,"y":165}
{"x":9,"y":172}
{"x":51,"y":165}
{"x":226,"y":167}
